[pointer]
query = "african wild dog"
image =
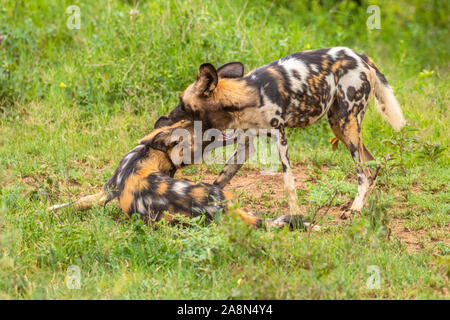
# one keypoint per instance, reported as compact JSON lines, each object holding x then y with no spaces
{"x":294,"y":92}
{"x":143,"y":183}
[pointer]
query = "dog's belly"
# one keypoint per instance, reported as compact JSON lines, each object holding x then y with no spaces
{"x":305,"y":110}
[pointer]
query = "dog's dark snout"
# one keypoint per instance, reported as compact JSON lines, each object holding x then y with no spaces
{"x":179,"y":114}
{"x":162,"y":122}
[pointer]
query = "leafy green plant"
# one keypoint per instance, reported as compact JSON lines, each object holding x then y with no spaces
{"x":431,"y":151}
{"x":404,"y":142}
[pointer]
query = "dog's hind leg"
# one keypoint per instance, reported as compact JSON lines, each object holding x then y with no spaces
{"x":289,"y":181}
{"x":345,"y":119}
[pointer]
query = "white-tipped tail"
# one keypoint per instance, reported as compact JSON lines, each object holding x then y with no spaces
{"x":59,"y":206}
{"x":84,"y":203}
{"x":388,"y":106}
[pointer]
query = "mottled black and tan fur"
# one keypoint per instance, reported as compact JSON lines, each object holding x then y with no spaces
{"x":143,"y":183}
{"x":294,"y":92}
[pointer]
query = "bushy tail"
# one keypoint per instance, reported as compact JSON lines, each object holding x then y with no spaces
{"x":387,"y":104}
{"x":84,"y":203}
{"x":247,"y":217}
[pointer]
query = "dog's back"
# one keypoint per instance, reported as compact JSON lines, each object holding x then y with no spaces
{"x":142,"y":184}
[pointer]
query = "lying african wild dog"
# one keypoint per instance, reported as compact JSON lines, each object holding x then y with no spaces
{"x":143,"y":183}
{"x":294,"y":92}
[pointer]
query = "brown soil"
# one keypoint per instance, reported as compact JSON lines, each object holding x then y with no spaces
{"x":253,"y":185}
{"x":264,"y":194}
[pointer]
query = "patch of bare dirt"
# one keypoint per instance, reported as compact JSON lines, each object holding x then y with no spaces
{"x":413,"y":239}
{"x":264,"y":189}
{"x":263,"y":193}
{"x":255,"y":185}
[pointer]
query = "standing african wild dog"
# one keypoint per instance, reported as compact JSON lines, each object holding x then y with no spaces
{"x":143,"y":182}
{"x":294,"y":91}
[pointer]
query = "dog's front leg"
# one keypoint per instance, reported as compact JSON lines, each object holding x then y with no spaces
{"x":242,"y":153}
{"x":289,"y":181}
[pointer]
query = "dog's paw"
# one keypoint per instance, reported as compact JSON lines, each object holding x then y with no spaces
{"x":312,"y":227}
{"x":345,"y":210}
{"x":347,"y":213}
{"x":278,"y":223}
{"x":294,"y":222}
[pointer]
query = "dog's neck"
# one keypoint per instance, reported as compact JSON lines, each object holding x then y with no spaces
{"x":235,"y":93}
{"x":156,"y":162}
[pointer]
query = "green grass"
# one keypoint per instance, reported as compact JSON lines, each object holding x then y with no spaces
{"x":58,"y":143}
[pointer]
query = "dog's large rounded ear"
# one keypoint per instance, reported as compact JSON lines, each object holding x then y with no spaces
{"x":231,"y":70}
{"x":166,"y":138}
{"x":162,"y":122}
{"x":160,"y":141}
{"x":207,"y":79}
